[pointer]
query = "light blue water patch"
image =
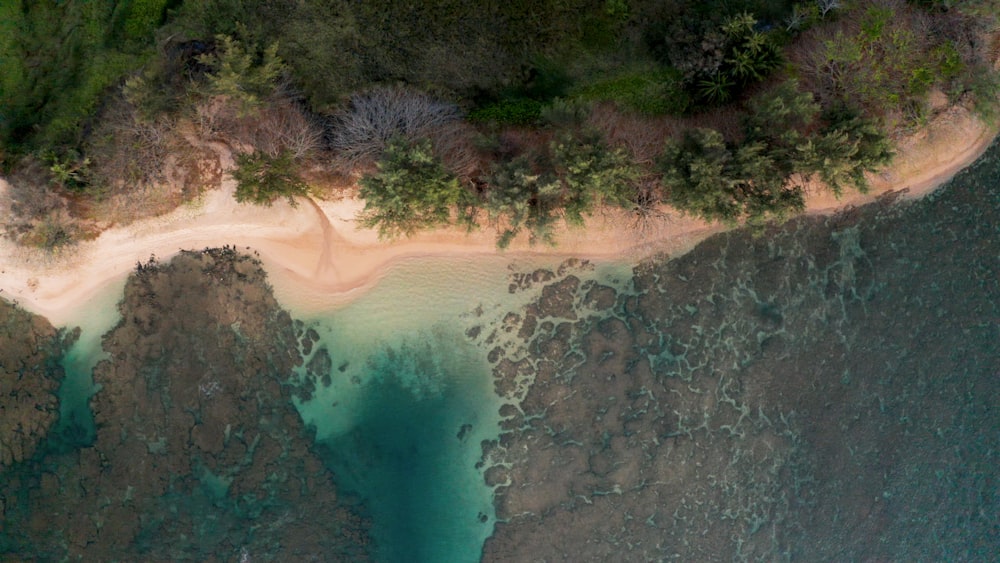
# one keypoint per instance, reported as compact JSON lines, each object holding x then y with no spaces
{"x":409,"y":398}
{"x":94,"y":317}
{"x":408,"y":403}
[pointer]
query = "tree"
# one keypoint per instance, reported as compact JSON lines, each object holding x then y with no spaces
{"x":706,"y":177}
{"x":238,"y":73}
{"x":411,"y":190}
{"x":569,"y":178}
{"x":260,"y":178}
{"x":785,"y":140}
{"x":520,"y":198}
{"x":591,"y":174}
{"x":849,"y":146}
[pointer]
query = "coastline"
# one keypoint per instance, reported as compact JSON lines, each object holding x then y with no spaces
{"x":314,"y":252}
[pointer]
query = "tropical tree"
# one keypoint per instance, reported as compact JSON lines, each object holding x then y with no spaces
{"x":261,"y":178}
{"x":411,"y":190}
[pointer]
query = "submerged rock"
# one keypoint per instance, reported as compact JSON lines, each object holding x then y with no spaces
{"x":30,"y":374}
{"x":824,"y":392}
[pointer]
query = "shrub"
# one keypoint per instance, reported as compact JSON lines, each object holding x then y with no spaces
{"x":648,"y":92}
{"x":509,"y":111}
{"x":364,"y":130}
{"x":59,"y":58}
{"x":784,"y":140}
{"x":717,"y":55}
{"x":260,"y":178}
{"x":591,"y":174}
{"x":411,"y":190}
{"x":520,"y":199}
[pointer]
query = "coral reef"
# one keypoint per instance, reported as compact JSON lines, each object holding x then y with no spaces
{"x":821,"y":390}
{"x":29,"y":377}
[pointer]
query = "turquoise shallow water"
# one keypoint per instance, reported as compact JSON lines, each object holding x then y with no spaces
{"x":390,"y":424}
{"x":94,"y":317}
{"x":409,"y":401}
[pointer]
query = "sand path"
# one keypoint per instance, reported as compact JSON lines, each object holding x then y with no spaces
{"x":316,"y":248}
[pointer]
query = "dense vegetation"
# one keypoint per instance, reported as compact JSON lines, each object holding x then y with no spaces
{"x":519,"y":114}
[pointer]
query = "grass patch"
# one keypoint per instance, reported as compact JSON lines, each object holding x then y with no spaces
{"x":648,"y":91}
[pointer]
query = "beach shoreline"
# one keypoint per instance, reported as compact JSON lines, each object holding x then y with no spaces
{"x":315,"y":253}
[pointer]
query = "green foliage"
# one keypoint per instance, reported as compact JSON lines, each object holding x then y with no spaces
{"x":242,"y":76}
{"x":785,"y":140}
{"x":69,"y":172}
{"x":591,"y":174}
{"x":846,"y":148}
{"x":649,"y":91}
{"x":509,"y":111}
{"x":886,"y":63}
{"x":705,"y":176}
{"x":985,"y":88}
{"x":58,"y":59}
{"x":261,"y":179}
{"x":520,"y":199}
{"x":573,"y":177}
{"x":717,"y":55}
{"x":411,"y":190}
{"x":321,"y":43}
{"x":782,"y":120}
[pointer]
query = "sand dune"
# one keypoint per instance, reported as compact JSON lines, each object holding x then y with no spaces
{"x":316,"y":248}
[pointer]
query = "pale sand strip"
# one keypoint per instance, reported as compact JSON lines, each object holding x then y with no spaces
{"x":315,"y":253}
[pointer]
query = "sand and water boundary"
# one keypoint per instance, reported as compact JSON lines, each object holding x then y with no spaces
{"x":315,"y":252}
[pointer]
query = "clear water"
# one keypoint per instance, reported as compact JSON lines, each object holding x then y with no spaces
{"x":96,"y":316}
{"x":410,"y":400}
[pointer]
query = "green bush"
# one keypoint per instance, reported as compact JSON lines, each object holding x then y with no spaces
{"x":238,"y":73}
{"x":716,"y":52}
{"x":649,"y":92}
{"x":509,"y":111}
{"x":883,"y":63}
{"x":261,"y":179}
{"x":591,"y":174}
{"x":784,"y":139}
{"x":520,"y":199}
{"x":412,"y":190}
{"x":705,"y":176}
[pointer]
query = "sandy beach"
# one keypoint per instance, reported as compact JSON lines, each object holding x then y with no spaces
{"x":316,"y":250}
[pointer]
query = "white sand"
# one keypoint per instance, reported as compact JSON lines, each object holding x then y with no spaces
{"x":316,"y":250}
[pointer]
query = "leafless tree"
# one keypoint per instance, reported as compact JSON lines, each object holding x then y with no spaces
{"x":796,"y":19}
{"x":827,"y":6}
{"x":128,"y":150}
{"x":361,"y":132}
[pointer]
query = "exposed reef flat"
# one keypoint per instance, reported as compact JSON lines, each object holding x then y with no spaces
{"x":822,"y":391}
{"x":199,"y":453}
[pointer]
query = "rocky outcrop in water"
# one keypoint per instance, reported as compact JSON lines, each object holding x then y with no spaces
{"x":199,"y":454}
{"x":29,"y":378}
